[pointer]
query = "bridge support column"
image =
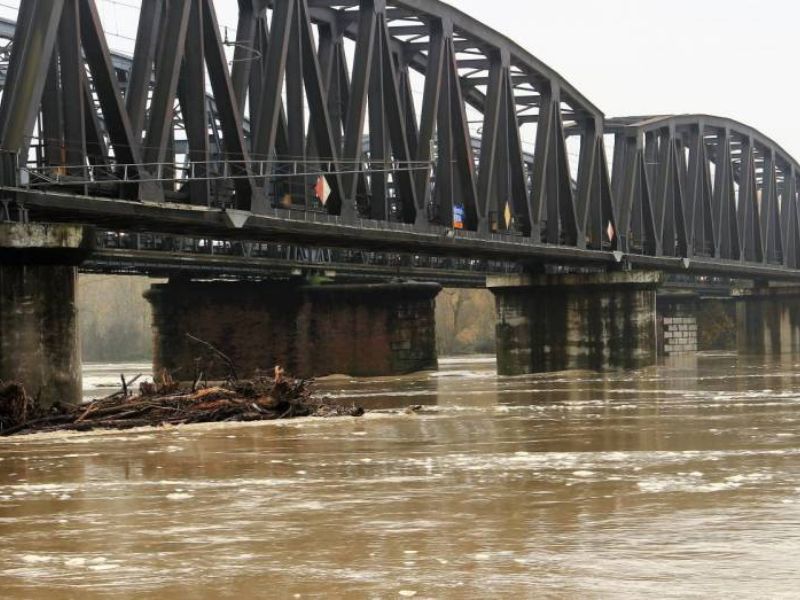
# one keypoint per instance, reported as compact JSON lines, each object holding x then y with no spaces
{"x":311,"y":331}
{"x":563,"y":322}
{"x":39,"y":341}
{"x":768,"y":320}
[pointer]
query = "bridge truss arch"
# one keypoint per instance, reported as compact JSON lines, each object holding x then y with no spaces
{"x":705,"y":186}
{"x":384,"y":99}
{"x":308,"y":82}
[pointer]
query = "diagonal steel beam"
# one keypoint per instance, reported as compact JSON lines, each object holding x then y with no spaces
{"x":34,"y":43}
{"x":194,"y":107}
{"x":144,"y":54}
{"x":126,"y":146}
{"x":247,"y":197}
{"x":162,"y":105}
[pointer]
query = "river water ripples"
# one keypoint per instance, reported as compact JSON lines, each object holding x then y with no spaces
{"x":680,"y":481}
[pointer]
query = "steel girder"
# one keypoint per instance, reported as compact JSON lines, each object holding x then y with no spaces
{"x":316,"y":88}
{"x":704,"y":186}
{"x":290,"y":99}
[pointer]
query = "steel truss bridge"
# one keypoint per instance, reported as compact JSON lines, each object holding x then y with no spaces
{"x":445,"y":146}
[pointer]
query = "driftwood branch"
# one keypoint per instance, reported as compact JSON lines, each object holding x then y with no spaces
{"x":173,"y":403}
{"x":216,"y":351}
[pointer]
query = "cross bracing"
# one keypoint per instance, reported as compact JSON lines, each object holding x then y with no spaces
{"x":430,"y":130}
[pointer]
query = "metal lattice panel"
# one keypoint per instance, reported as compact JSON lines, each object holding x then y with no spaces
{"x":388,"y":124}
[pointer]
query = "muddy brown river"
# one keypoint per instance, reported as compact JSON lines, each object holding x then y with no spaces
{"x":680,"y":481}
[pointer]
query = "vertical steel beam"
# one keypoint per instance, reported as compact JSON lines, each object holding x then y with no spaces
{"x":637,"y":227}
{"x":646,"y":223}
{"x":338,"y":90}
{"x":518,"y":201}
{"x":295,"y":109}
{"x":403,"y":176}
{"x":749,"y":230}
{"x":407,"y":103}
{"x":144,"y":53}
{"x":359,"y":89}
{"x":795,"y":203}
{"x":194,"y":107}
{"x":502,"y":189}
{"x":96,"y":147}
{"x":488,"y":165}
{"x":98,"y":57}
{"x":430,"y":108}
{"x":729,"y":242}
{"x":770,"y":219}
{"x":445,"y":175}
{"x":561,"y":179}
{"x":618,"y":170}
{"x":588,"y":201}
{"x":72,"y":76}
{"x":272,"y":83}
{"x":244,"y":52}
{"x":257,"y":95}
{"x":52,"y":127}
{"x":625,"y":175}
{"x":658,"y":158}
{"x":162,"y":106}
{"x":379,"y":151}
{"x":790,"y":231}
{"x":462,"y":144}
{"x":699,"y":197}
{"x":323,"y":130}
{"x":610,"y":218}
{"x":679,"y":242}
{"x":541,"y":158}
{"x":326,"y":56}
{"x":227,"y":111}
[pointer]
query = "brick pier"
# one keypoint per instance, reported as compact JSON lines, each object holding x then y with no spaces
{"x":311,"y":331}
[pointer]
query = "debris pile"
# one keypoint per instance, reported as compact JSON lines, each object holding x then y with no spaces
{"x":171,"y":403}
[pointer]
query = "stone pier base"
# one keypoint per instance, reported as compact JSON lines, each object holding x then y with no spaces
{"x":39,"y":340}
{"x":677,"y":324}
{"x":563,"y":322}
{"x":311,"y":331}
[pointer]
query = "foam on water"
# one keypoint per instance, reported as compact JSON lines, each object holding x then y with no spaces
{"x":675,"y":481}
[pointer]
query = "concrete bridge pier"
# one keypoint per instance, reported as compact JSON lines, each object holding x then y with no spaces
{"x":311,"y":331}
{"x":601,"y":321}
{"x":768,"y":320}
{"x":39,"y":341}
